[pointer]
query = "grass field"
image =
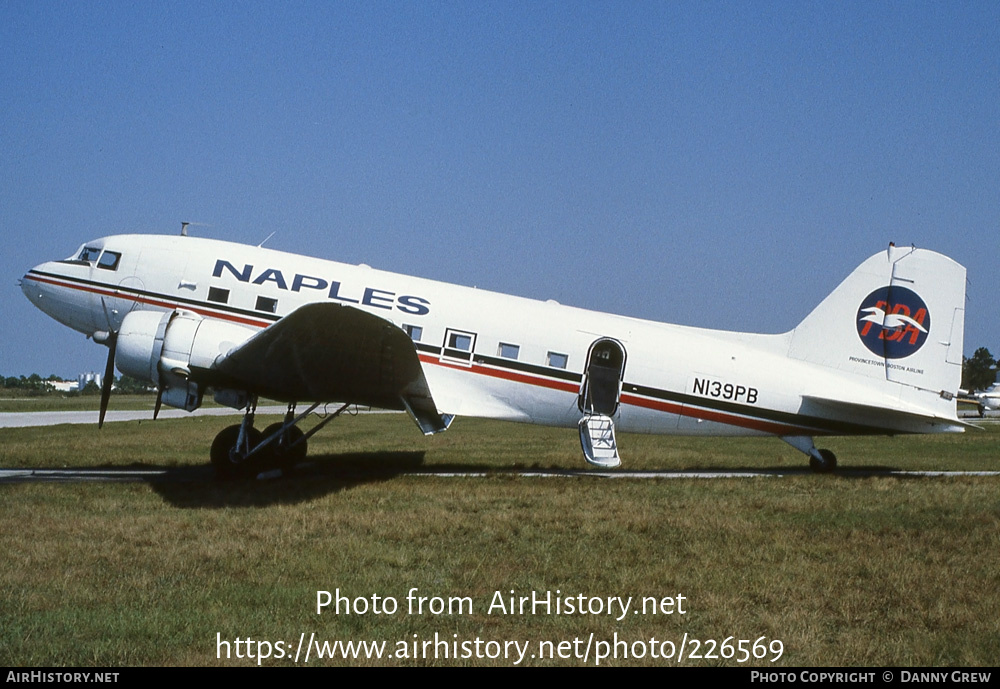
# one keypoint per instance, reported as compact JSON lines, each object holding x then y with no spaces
{"x":21,"y":401}
{"x":843,"y":570}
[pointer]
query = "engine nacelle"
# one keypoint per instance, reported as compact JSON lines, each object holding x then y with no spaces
{"x":163,"y":348}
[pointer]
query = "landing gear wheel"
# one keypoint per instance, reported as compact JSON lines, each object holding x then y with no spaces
{"x":283,"y":455}
{"x":230,"y":461}
{"x":825,"y":463}
{"x":224,"y":442}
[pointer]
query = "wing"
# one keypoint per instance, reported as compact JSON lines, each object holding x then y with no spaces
{"x":332,"y":352}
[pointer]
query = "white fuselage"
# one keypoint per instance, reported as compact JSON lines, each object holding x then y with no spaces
{"x":483,"y":353}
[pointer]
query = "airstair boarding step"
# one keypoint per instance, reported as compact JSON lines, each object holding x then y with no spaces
{"x":597,"y":437}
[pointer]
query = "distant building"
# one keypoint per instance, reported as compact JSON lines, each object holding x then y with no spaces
{"x":84,"y":378}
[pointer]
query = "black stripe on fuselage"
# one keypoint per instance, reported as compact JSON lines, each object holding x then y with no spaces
{"x":825,"y":425}
{"x":140,"y":293}
{"x":831,"y":426}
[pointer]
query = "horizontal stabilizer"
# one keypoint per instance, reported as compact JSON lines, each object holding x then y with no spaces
{"x":903,"y":420}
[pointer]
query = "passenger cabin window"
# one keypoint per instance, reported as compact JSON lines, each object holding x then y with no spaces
{"x":461,"y":341}
{"x":557,"y":360}
{"x":458,"y":345}
{"x":414,"y":331}
{"x":109,"y":260}
{"x":508,"y":351}
{"x":267,"y":304}
{"x":217,"y":294}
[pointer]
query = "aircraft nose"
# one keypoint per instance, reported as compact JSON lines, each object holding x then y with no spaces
{"x":30,"y":287}
{"x":43,"y":287}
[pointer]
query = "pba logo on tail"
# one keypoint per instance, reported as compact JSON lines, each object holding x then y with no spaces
{"x":893,"y":322}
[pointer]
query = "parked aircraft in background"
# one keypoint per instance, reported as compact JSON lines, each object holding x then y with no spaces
{"x":989,"y":399}
{"x":882,"y":354}
{"x":985,"y":400}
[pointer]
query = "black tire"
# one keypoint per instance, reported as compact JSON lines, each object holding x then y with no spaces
{"x":227,"y":462}
{"x":225,"y":441}
{"x":280,"y":455}
{"x":826,"y":463}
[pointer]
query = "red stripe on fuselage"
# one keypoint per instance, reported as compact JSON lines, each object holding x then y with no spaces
{"x":151,"y":302}
{"x":514,"y":376}
{"x":479,"y":369}
{"x":633,"y":400}
{"x":719,"y":417}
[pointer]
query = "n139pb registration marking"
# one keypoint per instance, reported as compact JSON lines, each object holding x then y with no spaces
{"x":725,"y":391}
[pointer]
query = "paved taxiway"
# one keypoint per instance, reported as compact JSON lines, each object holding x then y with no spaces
{"x":54,"y":418}
{"x":205,"y":473}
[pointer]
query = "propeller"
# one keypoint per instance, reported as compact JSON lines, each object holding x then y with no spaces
{"x":110,"y":338}
{"x":109,"y":376}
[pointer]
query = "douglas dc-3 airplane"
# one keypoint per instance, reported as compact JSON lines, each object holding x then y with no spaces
{"x":882,"y":354}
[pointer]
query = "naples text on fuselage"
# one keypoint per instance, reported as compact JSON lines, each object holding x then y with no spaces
{"x":369,"y":296}
{"x":882,"y":354}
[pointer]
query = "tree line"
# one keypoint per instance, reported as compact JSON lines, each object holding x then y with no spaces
{"x":35,"y":384}
{"x":979,"y":371}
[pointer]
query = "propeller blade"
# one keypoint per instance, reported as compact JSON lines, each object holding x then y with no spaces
{"x":159,"y":399}
{"x":109,"y":378}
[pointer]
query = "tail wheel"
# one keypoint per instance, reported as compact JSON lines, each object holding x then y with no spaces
{"x":825,"y":463}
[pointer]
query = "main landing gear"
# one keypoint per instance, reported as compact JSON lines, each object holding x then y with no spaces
{"x":241,"y":450}
{"x":820,"y":461}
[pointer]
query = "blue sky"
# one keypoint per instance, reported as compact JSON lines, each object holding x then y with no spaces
{"x":713,"y":164}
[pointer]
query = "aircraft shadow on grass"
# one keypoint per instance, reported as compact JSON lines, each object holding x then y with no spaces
{"x":317,"y":477}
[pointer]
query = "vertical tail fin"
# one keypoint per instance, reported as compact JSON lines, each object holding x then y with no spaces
{"x":899,"y":317}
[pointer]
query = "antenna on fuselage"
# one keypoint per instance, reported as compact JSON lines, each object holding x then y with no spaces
{"x":185,"y":225}
{"x":268,"y":237}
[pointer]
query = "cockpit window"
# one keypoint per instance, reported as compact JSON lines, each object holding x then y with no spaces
{"x":89,"y":254}
{"x":109,"y":260}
